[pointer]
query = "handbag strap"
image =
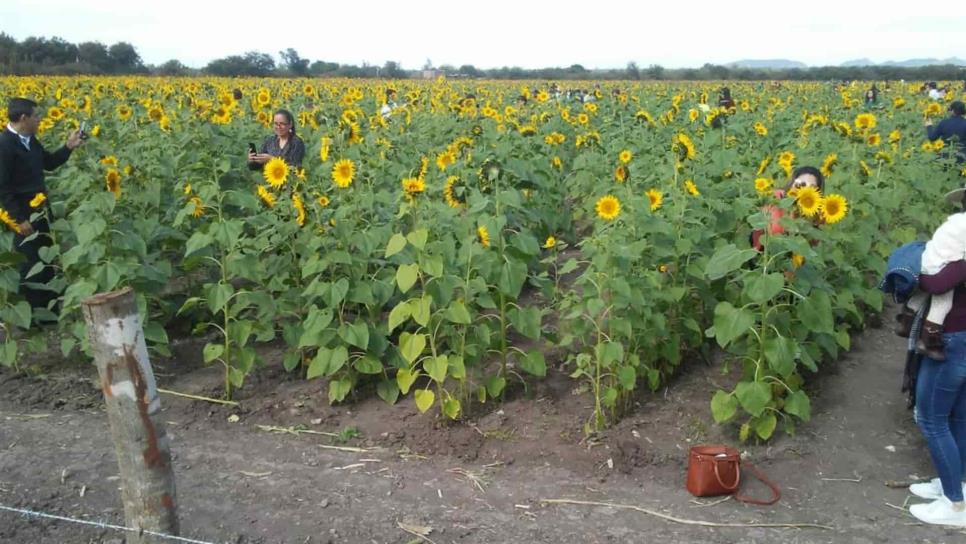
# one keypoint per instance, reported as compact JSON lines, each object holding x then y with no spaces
{"x":776,"y":493}
{"x":717,"y":475}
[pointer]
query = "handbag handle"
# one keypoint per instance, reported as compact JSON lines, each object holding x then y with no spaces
{"x":776,"y":493}
{"x":717,"y":475}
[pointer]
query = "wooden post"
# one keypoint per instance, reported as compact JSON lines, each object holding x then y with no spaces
{"x":133,"y":406}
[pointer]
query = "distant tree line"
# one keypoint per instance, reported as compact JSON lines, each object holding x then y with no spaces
{"x":55,"y":56}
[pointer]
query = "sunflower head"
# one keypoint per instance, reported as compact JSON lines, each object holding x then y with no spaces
{"x":276,"y":172}
{"x":809,"y":201}
{"x":608,"y":207}
{"x":834,"y":208}
{"x":483,"y":235}
{"x":762,"y":186}
{"x":342,"y":173}
{"x":625,"y":156}
{"x":655,"y":198}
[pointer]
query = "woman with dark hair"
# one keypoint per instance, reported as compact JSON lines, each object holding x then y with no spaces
{"x":952,"y":130}
{"x":802,"y":177}
{"x":285,"y":143}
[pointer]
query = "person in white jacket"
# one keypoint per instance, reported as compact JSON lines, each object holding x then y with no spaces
{"x":948,"y":244}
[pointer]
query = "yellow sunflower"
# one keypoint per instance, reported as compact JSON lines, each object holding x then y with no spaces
{"x":323,"y":201}
{"x":874,"y":139}
{"x":828,"y":163}
{"x":865,"y":121}
{"x":113,"y":180}
{"x":324,"y":150}
{"x":620,"y":173}
{"x":38,"y":200}
{"x":199,"y":207}
{"x":412,"y":186}
{"x":625,"y":156}
{"x":608,"y":207}
{"x":124,"y":112}
{"x":299,"y":209}
{"x":809,"y":201}
{"x":684,"y":147}
{"x":483,"y":235}
{"x":834,"y":208}
{"x":9,"y":221}
{"x":267,"y":197}
{"x":761,"y":129}
{"x":343,"y":172}
{"x":655,"y":198}
{"x":276,"y":172}
{"x":691,"y":188}
{"x":895,"y":136}
{"x":550,"y":242}
{"x":763,"y":186}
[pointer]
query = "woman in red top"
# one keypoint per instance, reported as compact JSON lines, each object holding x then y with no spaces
{"x":803,"y":176}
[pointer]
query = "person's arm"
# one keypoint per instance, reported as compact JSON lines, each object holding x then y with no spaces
{"x":947,"y":279}
{"x":933,"y":132}
{"x":8,"y":200}
{"x":59,"y":157}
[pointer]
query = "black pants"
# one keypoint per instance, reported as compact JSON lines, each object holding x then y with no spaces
{"x":38,"y":298}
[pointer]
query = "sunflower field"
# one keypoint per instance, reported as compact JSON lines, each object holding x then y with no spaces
{"x":470,"y":241}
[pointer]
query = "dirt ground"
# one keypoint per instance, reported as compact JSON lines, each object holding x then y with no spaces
{"x":482,"y":481}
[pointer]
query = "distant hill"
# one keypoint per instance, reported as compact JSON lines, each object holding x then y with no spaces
{"x":768,"y":63}
{"x":915,"y":63}
{"x":858,"y":62}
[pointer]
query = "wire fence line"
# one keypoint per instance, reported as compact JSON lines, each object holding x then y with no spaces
{"x":101,"y":525}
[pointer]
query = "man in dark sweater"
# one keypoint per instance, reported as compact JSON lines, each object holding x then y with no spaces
{"x":952,"y":130}
{"x":22,"y":163}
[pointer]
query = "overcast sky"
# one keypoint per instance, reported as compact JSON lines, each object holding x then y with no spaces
{"x":494,"y":33}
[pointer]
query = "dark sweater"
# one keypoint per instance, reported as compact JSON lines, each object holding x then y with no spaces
{"x":22,"y":172}
{"x":950,"y":277}
{"x":949,"y":129}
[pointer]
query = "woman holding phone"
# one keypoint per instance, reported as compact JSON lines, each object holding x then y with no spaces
{"x":284,"y":143}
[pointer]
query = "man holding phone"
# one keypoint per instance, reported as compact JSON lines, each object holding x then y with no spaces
{"x":23,"y":161}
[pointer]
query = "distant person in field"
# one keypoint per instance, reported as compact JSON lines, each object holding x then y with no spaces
{"x":726,"y":102}
{"x":389,"y":105}
{"x":952,"y":130}
{"x":935,"y":92}
{"x":23,"y":192}
{"x":285,"y":143}
{"x":871,"y":97}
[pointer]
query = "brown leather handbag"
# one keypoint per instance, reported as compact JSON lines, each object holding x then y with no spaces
{"x":716,"y":470}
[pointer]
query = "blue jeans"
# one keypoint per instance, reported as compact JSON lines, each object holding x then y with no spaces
{"x":941,"y":410}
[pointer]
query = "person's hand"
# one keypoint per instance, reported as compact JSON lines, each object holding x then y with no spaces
{"x":261,"y":158}
{"x":26,"y":229}
{"x":928,"y":122}
{"x":74,"y":140}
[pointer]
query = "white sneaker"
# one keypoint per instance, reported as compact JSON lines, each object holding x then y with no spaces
{"x":932,"y":489}
{"x":939,"y":512}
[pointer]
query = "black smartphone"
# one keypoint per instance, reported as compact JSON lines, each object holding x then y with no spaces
{"x":251,"y":148}
{"x":83,"y":130}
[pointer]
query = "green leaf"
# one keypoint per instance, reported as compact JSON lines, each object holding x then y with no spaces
{"x":495,"y":385}
{"x":457,"y":313}
{"x":356,"y":334}
{"x":327,"y":362}
{"x":780,"y":354}
{"x":89,"y":230}
{"x":406,"y":276}
{"x":627,"y":377}
{"x":815,"y":312}
{"x":432,"y":265}
{"x":291,"y":360}
{"x":843,"y":339}
{"x":526,"y":321}
{"x":19,"y":314}
{"x":418,"y":238}
{"x":388,"y":391}
{"x":753,"y":396}
{"x":368,"y":365}
{"x":314,"y":326}
{"x":396,"y":244}
{"x":731,"y":323}
{"x":236,"y":377}
{"x":405,"y":379}
{"x":798,"y":404}
{"x":197,"y":242}
{"x":727,"y":259}
{"x":765,"y":426}
{"x":411,"y":345}
{"x":744,"y":432}
{"x":399,"y":315}
{"x":724,"y":406}
{"x":338,"y":292}
{"x":761,"y":289}
{"x":534,"y":363}
{"x":452,"y":408}
{"x":421,"y":309}
{"x":213,"y":351}
{"x":424,"y":399}
{"x":239,"y":332}
{"x":436,"y":367}
{"x":512,"y":276}
{"x":338,"y":389}
{"x":67,"y":345}
{"x":217,"y":296}
{"x":457,"y":370}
